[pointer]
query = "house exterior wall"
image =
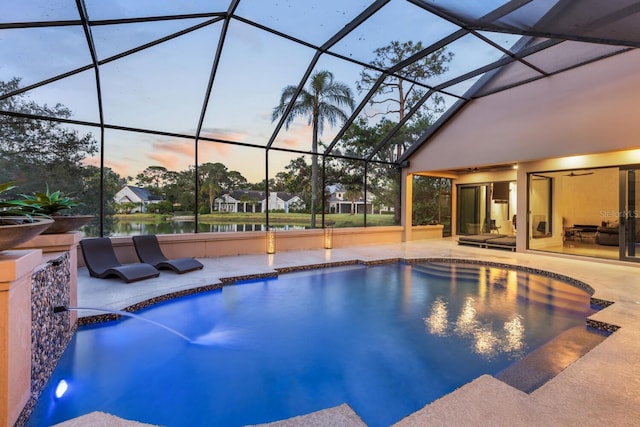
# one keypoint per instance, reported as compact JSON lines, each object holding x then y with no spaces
{"x":582,"y":119}
{"x":126,"y":195}
{"x":591,"y":109}
{"x":349,"y":207}
{"x":227,"y":203}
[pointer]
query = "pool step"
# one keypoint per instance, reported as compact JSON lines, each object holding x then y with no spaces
{"x":537,"y":289}
{"x":468,"y":272}
{"x":546,"y":362}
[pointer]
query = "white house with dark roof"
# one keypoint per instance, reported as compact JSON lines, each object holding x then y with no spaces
{"x":338,"y":203}
{"x":141,"y":197}
{"x":240,"y":201}
{"x":255,"y":201}
{"x":280,"y":200}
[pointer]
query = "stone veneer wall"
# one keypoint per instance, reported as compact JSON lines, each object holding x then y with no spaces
{"x":50,"y":332}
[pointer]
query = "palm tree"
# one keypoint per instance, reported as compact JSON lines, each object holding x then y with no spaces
{"x":322,"y":101}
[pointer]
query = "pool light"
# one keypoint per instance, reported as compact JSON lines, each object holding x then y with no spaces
{"x":61,"y":388}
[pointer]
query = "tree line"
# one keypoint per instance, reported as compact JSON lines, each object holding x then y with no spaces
{"x":36,"y":152}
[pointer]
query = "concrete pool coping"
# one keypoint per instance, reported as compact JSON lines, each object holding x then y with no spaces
{"x":601,"y":387}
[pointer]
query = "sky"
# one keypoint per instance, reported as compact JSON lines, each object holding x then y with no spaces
{"x":162,"y":88}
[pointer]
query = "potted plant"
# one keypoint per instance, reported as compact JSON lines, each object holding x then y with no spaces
{"x":18,"y":222}
{"x":52,"y":205}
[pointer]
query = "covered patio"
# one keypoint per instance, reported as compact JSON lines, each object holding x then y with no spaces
{"x":428,"y":108}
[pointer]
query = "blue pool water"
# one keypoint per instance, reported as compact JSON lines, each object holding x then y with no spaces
{"x":386,"y":340}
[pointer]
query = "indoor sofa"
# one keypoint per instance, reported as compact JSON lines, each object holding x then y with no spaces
{"x":608,"y":234}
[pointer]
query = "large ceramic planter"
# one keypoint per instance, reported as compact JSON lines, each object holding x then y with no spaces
{"x":14,"y":235}
{"x":65,"y":223}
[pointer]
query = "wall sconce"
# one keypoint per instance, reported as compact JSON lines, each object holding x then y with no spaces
{"x":271,"y":241}
{"x":327,"y":237}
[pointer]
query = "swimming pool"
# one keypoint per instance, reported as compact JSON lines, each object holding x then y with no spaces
{"x":385,"y":339}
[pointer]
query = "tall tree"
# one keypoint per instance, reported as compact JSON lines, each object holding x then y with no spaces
{"x":212,"y":181}
{"x":39,"y":152}
{"x":400,"y":92}
{"x":295,"y":179}
{"x":90,"y":196}
{"x":184,"y":190}
{"x":353,"y":195}
{"x":321,"y":102}
{"x":215,"y":178}
{"x":236,"y":181}
{"x":431,"y":201}
{"x":395,"y":97}
{"x":153,"y":178}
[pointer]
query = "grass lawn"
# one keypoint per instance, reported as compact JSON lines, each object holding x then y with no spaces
{"x":337,"y":220}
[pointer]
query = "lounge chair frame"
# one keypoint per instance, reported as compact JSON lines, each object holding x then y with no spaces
{"x":101,"y":261}
{"x":488,"y":240}
{"x":507,"y":242}
{"x":148,"y":250}
{"x":478,"y":239}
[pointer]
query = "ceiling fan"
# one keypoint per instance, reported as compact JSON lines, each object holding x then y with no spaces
{"x":572,"y":174}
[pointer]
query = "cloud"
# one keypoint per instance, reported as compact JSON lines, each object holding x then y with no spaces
{"x":122,"y":168}
{"x":176,"y":154}
{"x":129,"y":157}
{"x":174,"y":147}
{"x":298,"y":136}
{"x":92,"y":161}
{"x":224,"y":134}
{"x":167,"y":160}
{"x":215,"y":149}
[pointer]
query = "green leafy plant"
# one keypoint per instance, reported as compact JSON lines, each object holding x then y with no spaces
{"x":49,"y":203}
{"x":16,"y":211}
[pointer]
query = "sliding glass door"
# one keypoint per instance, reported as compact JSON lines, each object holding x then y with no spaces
{"x":486,"y":208}
{"x":541,"y":205}
{"x":472,"y":207}
{"x":628,"y":215}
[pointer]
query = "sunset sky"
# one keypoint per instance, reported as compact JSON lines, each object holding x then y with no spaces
{"x":162,"y":88}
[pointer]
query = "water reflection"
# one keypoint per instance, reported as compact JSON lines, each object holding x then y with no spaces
{"x":485,"y":340}
{"x":514,"y":337}
{"x":437,"y":322}
{"x":489,"y":314}
{"x":131,"y":228}
{"x":467,"y":323}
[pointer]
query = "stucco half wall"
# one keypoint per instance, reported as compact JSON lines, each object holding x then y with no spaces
{"x":590,"y":109}
{"x":202,"y":245}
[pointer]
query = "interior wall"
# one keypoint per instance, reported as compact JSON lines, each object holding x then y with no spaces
{"x":589,"y":109}
{"x":587,"y":199}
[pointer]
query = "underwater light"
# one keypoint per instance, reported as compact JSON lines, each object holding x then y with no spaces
{"x":61,"y":388}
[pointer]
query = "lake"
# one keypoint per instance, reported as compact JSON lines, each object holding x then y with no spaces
{"x":131,"y":228}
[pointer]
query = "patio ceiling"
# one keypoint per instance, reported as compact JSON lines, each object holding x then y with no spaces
{"x":212,"y":70}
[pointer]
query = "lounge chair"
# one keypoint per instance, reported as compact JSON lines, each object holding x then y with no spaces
{"x":148,"y":250}
{"x":507,"y":242}
{"x":478,"y":239}
{"x":101,"y":262}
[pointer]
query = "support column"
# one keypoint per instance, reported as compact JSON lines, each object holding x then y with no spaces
{"x":52,"y":245}
{"x":407,"y":206}
{"x":16,"y":268}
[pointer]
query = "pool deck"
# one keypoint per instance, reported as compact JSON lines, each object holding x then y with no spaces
{"x":601,"y":388}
